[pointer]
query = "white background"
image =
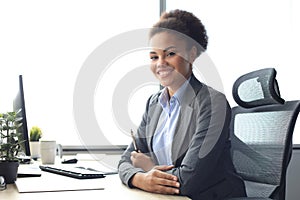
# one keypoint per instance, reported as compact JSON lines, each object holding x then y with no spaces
{"x":48,"y":41}
{"x":252,"y":34}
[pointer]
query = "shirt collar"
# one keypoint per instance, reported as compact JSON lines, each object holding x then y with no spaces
{"x":179,"y":94}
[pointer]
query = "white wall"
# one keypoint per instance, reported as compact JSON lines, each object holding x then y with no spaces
{"x":252,"y":34}
{"x":48,"y":42}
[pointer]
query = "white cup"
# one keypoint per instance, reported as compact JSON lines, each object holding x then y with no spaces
{"x":48,"y":151}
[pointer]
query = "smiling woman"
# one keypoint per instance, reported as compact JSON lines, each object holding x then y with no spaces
{"x":183,"y":139}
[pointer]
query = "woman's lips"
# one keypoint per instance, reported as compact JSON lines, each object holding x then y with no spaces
{"x":164,"y":73}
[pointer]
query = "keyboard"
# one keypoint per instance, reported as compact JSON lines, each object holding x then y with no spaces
{"x":75,"y":172}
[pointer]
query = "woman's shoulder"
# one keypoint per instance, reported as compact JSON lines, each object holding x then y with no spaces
{"x":202,"y":89}
{"x":153,"y":99}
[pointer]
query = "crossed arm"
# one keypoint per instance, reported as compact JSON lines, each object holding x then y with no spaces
{"x":155,"y":179}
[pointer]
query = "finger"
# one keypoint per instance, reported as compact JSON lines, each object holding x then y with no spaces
{"x":165,"y":190}
{"x":132,"y":159}
{"x":167,"y":182}
{"x":164,"y":167}
{"x":165,"y":175}
{"x":134,"y":153}
{"x":137,"y":154}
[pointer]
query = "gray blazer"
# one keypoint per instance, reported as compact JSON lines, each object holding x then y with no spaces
{"x":200,"y":148}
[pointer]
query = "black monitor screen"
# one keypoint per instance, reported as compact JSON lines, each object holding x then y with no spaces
{"x":19,"y":108}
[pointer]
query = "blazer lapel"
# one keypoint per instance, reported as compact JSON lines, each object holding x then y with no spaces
{"x":180,"y":143}
{"x":154,"y":112}
{"x":182,"y":136}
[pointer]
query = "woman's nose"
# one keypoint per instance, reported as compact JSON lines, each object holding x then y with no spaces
{"x":161,"y":62}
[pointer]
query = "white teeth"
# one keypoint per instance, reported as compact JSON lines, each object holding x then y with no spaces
{"x":164,"y":73}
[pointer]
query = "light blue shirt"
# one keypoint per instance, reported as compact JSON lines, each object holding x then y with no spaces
{"x":164,"y":133}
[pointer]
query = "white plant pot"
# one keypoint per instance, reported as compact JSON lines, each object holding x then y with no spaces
{"x":35,"y":149}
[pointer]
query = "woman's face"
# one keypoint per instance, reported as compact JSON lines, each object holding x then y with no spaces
{"x":171,"y":60}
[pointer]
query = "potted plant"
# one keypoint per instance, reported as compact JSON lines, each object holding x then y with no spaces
{"x":35,"y":136}
{"x":9,"y":146}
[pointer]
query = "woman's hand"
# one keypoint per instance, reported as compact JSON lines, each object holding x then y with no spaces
{"x":141,"y":160}
{"x":157,"y":181}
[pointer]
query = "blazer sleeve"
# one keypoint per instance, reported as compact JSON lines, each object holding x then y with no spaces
{"x":125,"y":168}
{"x":202,"y":164}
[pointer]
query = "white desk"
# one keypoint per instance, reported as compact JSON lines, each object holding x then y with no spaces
{"x":113,"y":189}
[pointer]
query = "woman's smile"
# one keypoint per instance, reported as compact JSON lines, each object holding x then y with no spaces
{"x":164,"y":72}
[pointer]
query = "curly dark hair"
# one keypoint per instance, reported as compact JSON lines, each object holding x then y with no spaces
{"x":183,"y":22}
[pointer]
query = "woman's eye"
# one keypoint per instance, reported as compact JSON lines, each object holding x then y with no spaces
{"x":171,"y":54}
{"x":153,"y":57}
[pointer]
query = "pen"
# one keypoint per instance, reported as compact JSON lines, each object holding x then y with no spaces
{"x":134,"y":141}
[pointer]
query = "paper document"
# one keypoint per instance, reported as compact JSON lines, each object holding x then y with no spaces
{"x":49,"y":182}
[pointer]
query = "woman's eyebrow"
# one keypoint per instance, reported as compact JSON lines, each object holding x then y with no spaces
{"x":166,"y":49}
{"x":170,"y":47}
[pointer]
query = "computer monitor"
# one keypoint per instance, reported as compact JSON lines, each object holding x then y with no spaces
{"x":19,"y":108}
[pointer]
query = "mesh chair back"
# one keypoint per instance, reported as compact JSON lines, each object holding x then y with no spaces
{"x":257,"y":88}
{"x":261,"y":131}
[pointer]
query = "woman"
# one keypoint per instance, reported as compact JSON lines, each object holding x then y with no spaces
{"x":183,"y":139}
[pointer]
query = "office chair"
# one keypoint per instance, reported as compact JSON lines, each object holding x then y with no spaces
{"x":261,"y":131}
